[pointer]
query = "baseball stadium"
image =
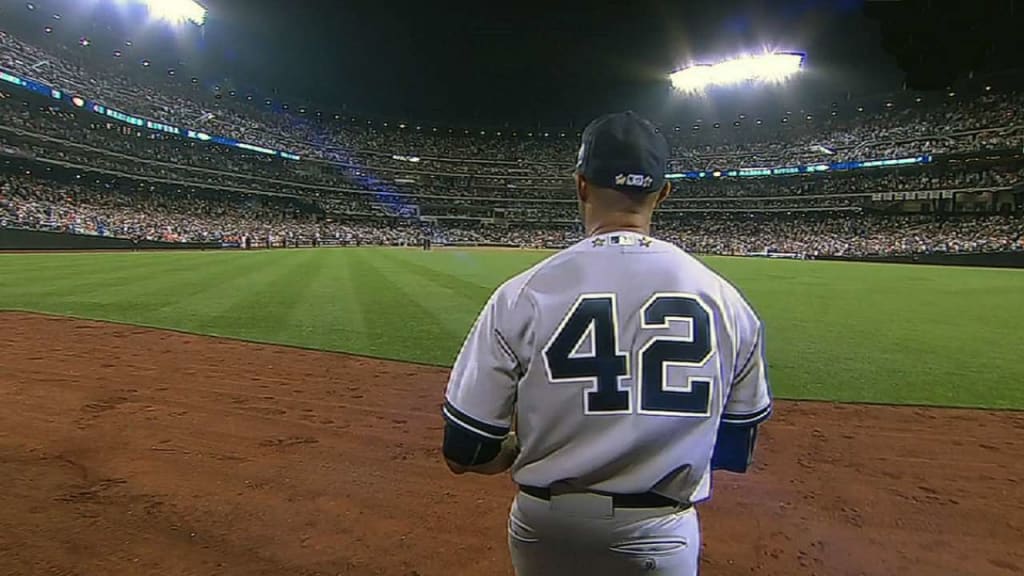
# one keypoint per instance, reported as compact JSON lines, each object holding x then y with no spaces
{"x":233,"y":285}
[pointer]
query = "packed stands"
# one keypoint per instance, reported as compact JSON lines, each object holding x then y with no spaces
{"x":956,"y":187}
{"x":940,"y":125}
{"x":126,"y":209}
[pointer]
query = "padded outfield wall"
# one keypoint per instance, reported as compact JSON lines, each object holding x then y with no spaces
{"x":32,"y":240}
{"x":988,"y":260}
{"x":13,"y":239}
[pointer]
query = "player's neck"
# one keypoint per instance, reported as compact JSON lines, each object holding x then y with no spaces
{"x":638,"y":224}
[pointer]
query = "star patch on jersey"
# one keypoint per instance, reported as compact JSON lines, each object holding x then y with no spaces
{"x":597,"y":242}
{"x":645,"y":241}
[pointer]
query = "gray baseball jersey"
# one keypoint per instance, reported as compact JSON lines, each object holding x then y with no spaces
{"x":617,"y":358}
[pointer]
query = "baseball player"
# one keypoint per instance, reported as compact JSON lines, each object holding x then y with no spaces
{"x":611,"y":378}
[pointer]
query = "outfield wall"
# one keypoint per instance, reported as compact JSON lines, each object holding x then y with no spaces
{"x":19,"y":239}
{"x":16,"y":239}
{"x":988,"y":260}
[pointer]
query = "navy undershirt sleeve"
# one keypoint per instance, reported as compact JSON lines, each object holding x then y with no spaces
{"x":734,"y":449}
{"x":466,"y":448}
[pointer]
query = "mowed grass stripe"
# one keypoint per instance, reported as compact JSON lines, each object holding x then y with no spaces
{"x":181,"y":292}
{"x":329,"y":294}
{"x":173,"y":290}
{"x":74,"y":277}
{"x":406,"y":318}
{"x":475,"y":268}
{"x":200,"y":289}
{"x":260,"y":306}
{"x":435,"y":270}
{"x":886,"y":333}
{"x":836,"y":331}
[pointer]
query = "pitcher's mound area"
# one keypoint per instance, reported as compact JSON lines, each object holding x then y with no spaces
{"x":130,"y":451}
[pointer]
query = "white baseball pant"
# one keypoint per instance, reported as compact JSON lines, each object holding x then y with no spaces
{"x":585,"y":534}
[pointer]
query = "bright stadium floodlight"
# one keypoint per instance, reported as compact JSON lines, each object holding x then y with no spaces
{"x":177,"y":11}
{"x":772,"y":67}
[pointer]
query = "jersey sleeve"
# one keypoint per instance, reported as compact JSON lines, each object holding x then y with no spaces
{"x":750,"y":400}
{"x":481,"y":393}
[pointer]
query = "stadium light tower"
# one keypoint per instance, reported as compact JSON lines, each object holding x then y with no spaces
{"x":772,"y":67}
{"x":176,"y":11}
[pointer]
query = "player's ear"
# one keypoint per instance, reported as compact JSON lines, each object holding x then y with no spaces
{"x":582,"y":190}
{"x":663,"y":193}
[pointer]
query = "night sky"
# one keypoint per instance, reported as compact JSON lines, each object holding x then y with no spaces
{"x":513,"y":63}
{"x":532,"y":61}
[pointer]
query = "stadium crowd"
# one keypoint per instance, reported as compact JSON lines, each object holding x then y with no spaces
{"x":853,"y":236}
{"x":137,"y":210}
{"x":70,"y":169}
{"x":146,"y":212}
{"x":49,"y":131}
{"x":987,"y":122}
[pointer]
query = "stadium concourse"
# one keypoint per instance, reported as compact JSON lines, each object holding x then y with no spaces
{"x":132,"y":173}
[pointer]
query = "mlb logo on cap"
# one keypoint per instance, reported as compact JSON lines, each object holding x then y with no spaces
{"x":638,"y":180}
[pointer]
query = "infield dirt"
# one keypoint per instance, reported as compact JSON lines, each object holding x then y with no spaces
{"x":126,"y":451}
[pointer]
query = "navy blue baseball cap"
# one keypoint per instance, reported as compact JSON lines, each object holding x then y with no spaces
{"x":624,"y":152}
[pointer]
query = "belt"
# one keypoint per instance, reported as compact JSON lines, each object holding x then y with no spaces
{"x":643,"y":500}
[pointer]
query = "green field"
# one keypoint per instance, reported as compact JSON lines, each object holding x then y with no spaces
{"x":836,"y":331}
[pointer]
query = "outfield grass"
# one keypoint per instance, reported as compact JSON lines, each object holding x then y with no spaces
{"x":836,"y":331}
